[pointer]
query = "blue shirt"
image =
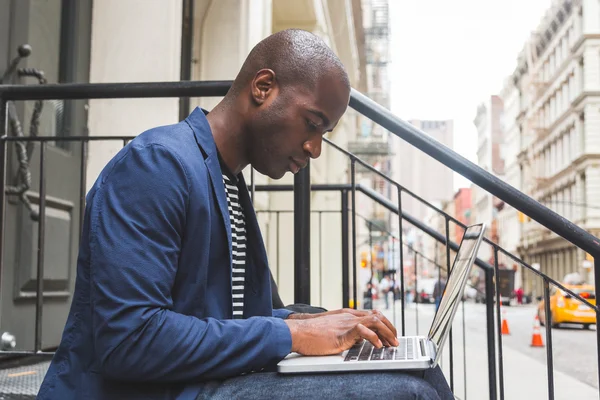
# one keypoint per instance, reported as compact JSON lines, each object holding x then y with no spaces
{"x":152,"y":306}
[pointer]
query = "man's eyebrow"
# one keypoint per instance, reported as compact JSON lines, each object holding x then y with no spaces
{"x":320,"y":115}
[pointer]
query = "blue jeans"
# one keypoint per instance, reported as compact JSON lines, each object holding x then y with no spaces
{"x":421,"y":385}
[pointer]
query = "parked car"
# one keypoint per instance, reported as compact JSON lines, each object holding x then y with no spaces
{"x":425,"y":290}
{"x":566,"y":309}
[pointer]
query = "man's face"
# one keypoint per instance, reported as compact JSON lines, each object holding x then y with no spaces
{"x":288,"y":127}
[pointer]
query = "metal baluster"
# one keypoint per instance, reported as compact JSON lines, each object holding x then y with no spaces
{"x":394,"y":284}
{"x":252,"y":186}
{"x":40,"y":253}
{"x":82,"y":183}
{"x":464,"y":343}
{"x":345,"y":252}
{"x":448,"y":276}
{"x":320,"y":260}
{"x":277,"y":246}
{"x":491,"y":346}
{"x":597,"y":285}
{"x":369,"y":225}
{"x":353,"y":198}
{"x":401,"y":262}
{"x":549,"y":355}
{"x":499,"y":327}
{"x":416,"y":294}
{"x":3,"y":168}
{"x":302,"y":292}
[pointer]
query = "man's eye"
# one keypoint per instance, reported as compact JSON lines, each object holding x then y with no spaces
{"x":311,"y":125}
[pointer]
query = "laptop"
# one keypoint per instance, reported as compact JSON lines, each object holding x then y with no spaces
{"x":413,"y":352}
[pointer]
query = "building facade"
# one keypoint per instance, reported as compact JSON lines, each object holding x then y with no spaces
{"x":557,"y":128}
{"x":414,"y":169}
{"x":463,"y":204}
{"x":509,"y":224}
{"x":489,"y":157}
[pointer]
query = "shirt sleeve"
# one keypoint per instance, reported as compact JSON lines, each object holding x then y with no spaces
{"x":138,"y":217}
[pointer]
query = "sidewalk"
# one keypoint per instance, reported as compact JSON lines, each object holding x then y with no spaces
{"x":524,"y":376}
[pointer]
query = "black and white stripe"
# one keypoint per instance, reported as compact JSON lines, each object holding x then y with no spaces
{"x":238,"y":246}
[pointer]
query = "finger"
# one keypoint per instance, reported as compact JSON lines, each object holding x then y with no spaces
{"x":357,"y":313}
{"x":365,"y":333}
{"x":385,"y":334}
{"x":387,"y":322}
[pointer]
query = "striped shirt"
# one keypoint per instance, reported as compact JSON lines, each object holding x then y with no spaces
{"x":238,"y":243}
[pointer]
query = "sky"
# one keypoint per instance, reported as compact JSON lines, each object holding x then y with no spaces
{"x":450,"y":55}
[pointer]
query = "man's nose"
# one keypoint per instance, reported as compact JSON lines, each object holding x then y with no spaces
{"x":313,"y":147}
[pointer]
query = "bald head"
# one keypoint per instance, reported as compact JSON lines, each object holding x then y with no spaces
{"x":291,"y":90}
{"x":297,"y":57}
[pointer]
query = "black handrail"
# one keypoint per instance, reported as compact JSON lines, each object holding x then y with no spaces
{"x":360,"y":103}
{"x":476,"y":174}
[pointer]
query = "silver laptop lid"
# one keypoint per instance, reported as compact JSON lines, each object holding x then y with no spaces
{"x":455,"y":287}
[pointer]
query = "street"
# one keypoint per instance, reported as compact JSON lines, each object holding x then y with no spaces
{"x":525,"y":372}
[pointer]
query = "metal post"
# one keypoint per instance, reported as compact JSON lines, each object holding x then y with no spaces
{"x":371,"y":255}
{"x":499,"y":327}
{"x":252,"y":184}
{"x":345,"y":252}
{"x":82,"y":183}
{"x":394,"y":284}
{"x":491,"y":346}
{"x":3,"y":168}
{"x":302,"y":236}
{"x":354,"y":278}
{"x":597,"y":285}
{"x":548,"y":323}
{"x":187,"y":48}
{"x":277,"y":246}
{"x":464,"y":343}
{"x":416,"y":294}
{"x":320,"y":259}
{"x":40,"y":251}
{"x":448,"y":276}
{"x":401,"y":266}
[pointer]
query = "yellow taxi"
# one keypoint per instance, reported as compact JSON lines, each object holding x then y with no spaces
{"x":564,"y":308}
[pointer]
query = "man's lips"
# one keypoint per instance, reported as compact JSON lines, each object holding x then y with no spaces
{"x":296,"y":165}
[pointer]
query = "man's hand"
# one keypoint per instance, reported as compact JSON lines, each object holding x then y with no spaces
{"x":358,"y":313}
{"x":335,"y":332}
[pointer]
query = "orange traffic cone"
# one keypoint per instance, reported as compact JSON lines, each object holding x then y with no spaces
{"x":536,"y":339}
{"x":505,"y":330}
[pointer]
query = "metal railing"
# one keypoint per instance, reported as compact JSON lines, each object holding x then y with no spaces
{"x":416,"y":254}
{"x":302,"y":188}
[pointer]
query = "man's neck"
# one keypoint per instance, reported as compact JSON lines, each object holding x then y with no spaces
{"x":227,"y":128}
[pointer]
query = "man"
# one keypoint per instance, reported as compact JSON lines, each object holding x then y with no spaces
{"x":173,"y":295}
{"x":438,"y":291}
{"x":385,"y":289}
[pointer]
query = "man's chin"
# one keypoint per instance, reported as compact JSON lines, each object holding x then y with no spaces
{"x":276,"y":175}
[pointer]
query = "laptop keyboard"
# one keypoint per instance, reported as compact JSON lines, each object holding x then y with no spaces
{"x":365,"y":351}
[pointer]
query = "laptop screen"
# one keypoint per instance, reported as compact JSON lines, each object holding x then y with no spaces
{"x":454,"y":289}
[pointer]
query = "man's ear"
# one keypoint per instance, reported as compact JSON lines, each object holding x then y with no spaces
{"x":263,"y":85}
